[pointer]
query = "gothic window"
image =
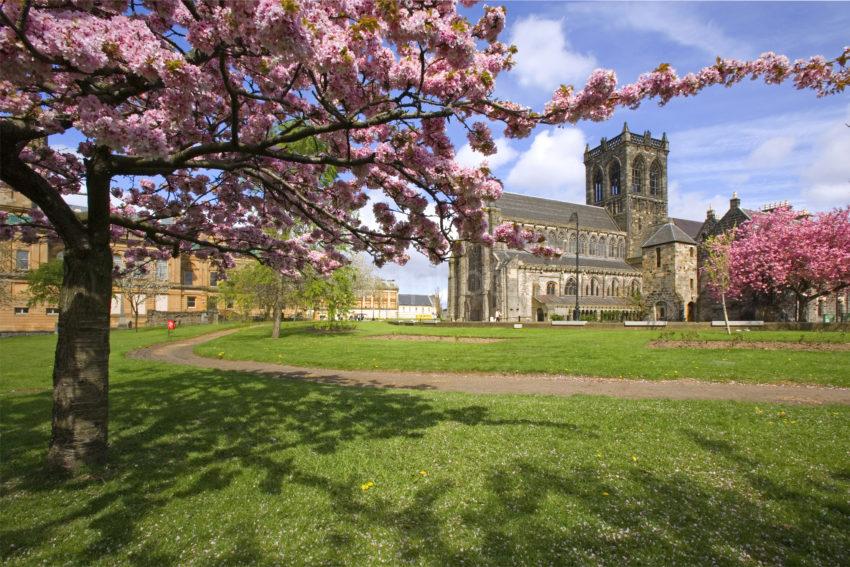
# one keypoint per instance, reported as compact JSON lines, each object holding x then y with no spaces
{"x":655,"y":179}
{"x":573,"y":243}
{"x":622,"y":249}
{"x":637,"y":175}
{"x":570,"y":288}
{"x":615,"y":288}
{"x":550,"y":288}
{"x":592,"y":246}
{"x":658,"y":257}
{"x":597,"y":186}
{"x":635,"y":287}
{"x":614,"y":176}
{"x":595,"y":288}
{"x":603,"y":246}
{"x":582,"y":245}
{"x":612,"y":248}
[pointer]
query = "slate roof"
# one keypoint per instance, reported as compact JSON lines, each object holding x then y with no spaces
{"x":668,"y":233}
{"x":691,"y":227}
{"x":566,"y":260}
{"x":542,"y":211}
{"x":413,"y":300}
{"x":585,"y":301}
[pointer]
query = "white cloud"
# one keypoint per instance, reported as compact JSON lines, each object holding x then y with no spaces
{"x":827,"y":178}
{"x":544,"y":59}
{"x":419,"y":275}
{"x":772,"y":152}
{"x":552,"y":167}
{"x":678,"y":23}
{"x":505,"y":153}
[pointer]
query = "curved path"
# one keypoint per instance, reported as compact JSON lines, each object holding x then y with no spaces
{"x":180,"y":352}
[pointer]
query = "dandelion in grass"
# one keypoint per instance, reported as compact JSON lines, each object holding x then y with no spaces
{"x":423,"y":473}
{"x":366,"y":486}
{"x":634,"y":458}
{"x":221,"y":355}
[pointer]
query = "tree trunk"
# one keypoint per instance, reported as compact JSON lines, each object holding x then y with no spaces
{"x":725,"y":313}
{"x":81,"y":367}
{"x":276,"y":325}
{"x":802,"y":305}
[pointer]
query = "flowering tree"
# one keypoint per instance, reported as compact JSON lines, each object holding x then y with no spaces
{"x":193,"y":111}
{"x":717,"y":268}
{"x":784,"y":251}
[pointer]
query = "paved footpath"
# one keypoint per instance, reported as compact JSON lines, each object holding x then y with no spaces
{"x":180,"y":352}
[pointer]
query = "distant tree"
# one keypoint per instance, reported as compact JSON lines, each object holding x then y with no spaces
{"x":136,"y":285}
{"x":716,"y":269}
{"x":335,"y":292}
{"x":785,"y":251}
{"x":44,"y":283}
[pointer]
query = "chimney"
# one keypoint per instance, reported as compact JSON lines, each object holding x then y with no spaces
{"x":735,"y":202}
{"x":709,"y":215}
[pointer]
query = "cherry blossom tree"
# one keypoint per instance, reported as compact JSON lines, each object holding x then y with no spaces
{"x":193,"y":112}
{"x":785,"y":251}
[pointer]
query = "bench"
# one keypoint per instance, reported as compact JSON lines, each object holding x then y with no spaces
{"x":738,"y":323}
{"x":569,"y":323}
{"x":644,"y":323}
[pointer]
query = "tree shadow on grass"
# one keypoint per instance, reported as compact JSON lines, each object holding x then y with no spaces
{"x":183,"y":434}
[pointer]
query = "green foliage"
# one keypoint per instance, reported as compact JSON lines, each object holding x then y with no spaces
{"x":226,"y":468}
{"x":334,"y":292}
{"x":556,"y":317}
{"x":45,"y":283}
{"x":253,"y":286}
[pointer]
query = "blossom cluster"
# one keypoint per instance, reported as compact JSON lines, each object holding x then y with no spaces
{"x":231,"y":125}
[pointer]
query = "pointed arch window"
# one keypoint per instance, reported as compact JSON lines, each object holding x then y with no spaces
{"x":592,"y":251}
{"x":655,"y":179}
{"x":573,"y":243}
{"x":597,"y":186}
{"x":595,"y":288}
{"x":622,"y":253}
{"x":615,"y":289}
{"x":603,"y":246}
{"x":582,"y":245}
{"x":550,"y":288}
{"x":570,"y":288}
{"x":612,"y":248}
{"x":638,"y":171}
{"x":614,"y":176}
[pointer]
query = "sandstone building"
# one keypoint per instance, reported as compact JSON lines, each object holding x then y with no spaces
{"x":634,"y":261}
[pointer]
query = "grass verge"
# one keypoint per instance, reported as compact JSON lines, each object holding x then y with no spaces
{"x":606,"y":352}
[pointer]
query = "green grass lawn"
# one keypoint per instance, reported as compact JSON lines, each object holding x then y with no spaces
{"x":217,"y":468}
{"x":605,"y":352}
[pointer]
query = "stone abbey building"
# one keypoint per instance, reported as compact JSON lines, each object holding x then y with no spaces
{"x":634,"y":260}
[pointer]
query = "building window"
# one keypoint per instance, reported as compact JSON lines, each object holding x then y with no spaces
{"x":213,"y":279}
{"x":593,"y":246}
{"x":820,"y":308}
{"x":637,"y":176}
{"x":22,"y":260}
{"x":162,"y":270}
{"x":597,"y":186}
{"x":614,"y":176}
{"x":550,"y":288}
{"x":53,"y":311}
{"x":658,"y":257}
{"x":570,"y":289}
{"x":190,"y":302}
{"x":655,"y":179}
{"x":22,"y":310}
{"x":582,"y":245}
{"x":573,"y":243}
{"x":692,"y":252}
{"x":692,"y":284}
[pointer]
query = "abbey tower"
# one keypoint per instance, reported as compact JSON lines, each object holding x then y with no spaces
{"x":627,"y":175}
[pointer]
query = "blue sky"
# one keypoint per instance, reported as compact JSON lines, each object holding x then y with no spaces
{"x":768,"y":143}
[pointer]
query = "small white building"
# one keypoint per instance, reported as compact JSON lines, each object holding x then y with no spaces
{"x":412,"y":306}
